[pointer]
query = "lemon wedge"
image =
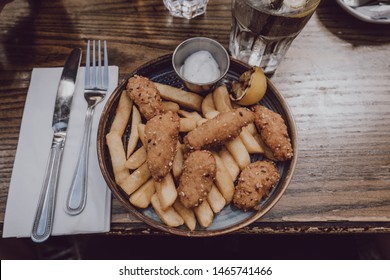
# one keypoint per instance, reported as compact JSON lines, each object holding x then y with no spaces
{"x":250,"y":88}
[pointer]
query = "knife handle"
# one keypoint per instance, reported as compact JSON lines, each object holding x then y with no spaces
{"x":43,"y":222}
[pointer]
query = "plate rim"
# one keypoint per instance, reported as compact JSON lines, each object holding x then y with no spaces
{"x":360,"y":16}
{"x":196,"y":233}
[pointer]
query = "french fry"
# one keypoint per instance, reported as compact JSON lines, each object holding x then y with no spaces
{"x":250,"y":142}
{"x":216,"y":200}
{"x":122,"y":114}
{"x":166,"y":191}
{"x":211,"y":115}
{"x":141,"y":197}
{"x":187,"y":124}
{"x":208,"y":104}
{"x":239,"y":152}
{"x":188,"y":215}
{"x":134,"y":136}
{"x":141,"y":133}
{"x":186,"y":99}
{"x":136,"y":159}
{"x":236,"y":147}
{"x":223,"y":179}
{"x":201,"y":121}
{"x":178,"y":161}
{"x":191,"y":115}
{"x":229,"y":162}
{"x":222,"y":100}
{"x":170,"y":106}
{"x":118,"y":156}
{"x":204,"y":214}
{"x":136,"y":179}
{"x":267,"y":151}
{"x":251,"y":128}
{"x":169,"y":216}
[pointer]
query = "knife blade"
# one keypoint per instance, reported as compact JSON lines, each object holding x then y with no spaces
{"x":43,"y":222}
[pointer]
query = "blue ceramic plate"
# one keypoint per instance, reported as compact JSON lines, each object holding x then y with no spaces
{"x":230,"y":218}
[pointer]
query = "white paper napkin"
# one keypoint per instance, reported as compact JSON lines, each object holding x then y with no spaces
{"x":32,"y":155}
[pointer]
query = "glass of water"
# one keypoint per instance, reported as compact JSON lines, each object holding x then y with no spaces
{"x":263,"y":30}
{"x":186,"y":8}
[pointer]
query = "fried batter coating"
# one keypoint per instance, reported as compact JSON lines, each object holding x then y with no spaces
{"x":254,"y":183}
{"x":219,"y":130}
{"x":145,"y":94}
{"x":273,"y":132}
{"x":161,"y":135}
{"x":197,"y":178}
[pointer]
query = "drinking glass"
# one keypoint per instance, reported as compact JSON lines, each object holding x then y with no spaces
{"x":186,"y":8}
{"x":263,"y":30}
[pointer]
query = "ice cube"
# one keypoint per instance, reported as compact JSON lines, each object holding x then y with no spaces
{"x":292,"y":5}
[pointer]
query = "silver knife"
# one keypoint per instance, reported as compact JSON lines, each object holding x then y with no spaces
{"x":43,"y":222}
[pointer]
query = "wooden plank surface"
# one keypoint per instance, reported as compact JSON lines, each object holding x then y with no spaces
{"x":335,"y":78}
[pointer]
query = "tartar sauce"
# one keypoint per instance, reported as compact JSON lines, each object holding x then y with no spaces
{"x":200,"y":67}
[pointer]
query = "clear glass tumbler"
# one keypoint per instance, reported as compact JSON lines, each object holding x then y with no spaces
{"x":186,"y":8}
{"x":263,"y":30}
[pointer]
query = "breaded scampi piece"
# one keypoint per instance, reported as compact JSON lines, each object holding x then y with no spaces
{"x":197,"y":178}
{"x":219,"y":130}
{"x":254,"y":183}
{"x":161,"y":136}
{"x":273,"y":132}
{"x":145,"y":94}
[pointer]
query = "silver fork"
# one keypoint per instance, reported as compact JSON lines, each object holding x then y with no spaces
{"x":95,"y":89}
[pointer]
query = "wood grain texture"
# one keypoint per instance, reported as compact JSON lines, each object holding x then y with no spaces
{"x":335,"y":78}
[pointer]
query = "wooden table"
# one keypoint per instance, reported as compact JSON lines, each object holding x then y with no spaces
{"x":335,"y":77}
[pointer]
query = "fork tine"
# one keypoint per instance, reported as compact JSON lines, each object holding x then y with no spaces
{"x":93,"y":65}
{"x":99,"y":76}
{"x":87,"y":62}
{"x":105,"y":79}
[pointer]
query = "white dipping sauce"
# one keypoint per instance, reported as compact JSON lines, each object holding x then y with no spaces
{"x":200,"y":67}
